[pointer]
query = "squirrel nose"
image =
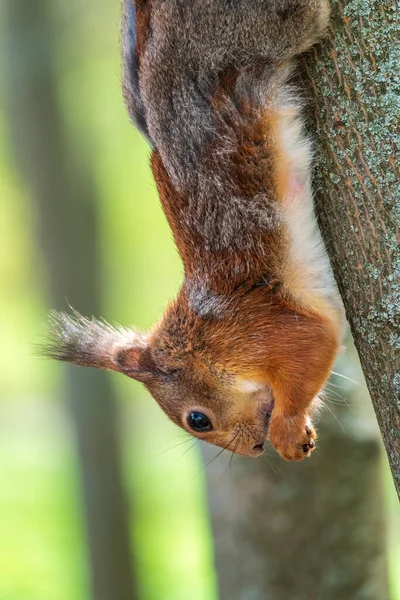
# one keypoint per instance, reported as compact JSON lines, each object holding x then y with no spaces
{"x":258,"y":449}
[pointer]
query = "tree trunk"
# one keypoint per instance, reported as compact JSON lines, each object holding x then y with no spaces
{"x":65,"y":210}
{"x":303,"y":531}
{"x":354,"y":83}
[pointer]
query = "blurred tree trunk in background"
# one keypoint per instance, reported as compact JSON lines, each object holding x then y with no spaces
{"x":354,"y":80}
{"x":65,"y":209}
{"x":313,"y":530}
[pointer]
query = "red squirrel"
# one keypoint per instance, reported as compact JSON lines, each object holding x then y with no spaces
{"x":242,"y":353}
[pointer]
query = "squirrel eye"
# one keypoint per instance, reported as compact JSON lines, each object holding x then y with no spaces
{"x":198,"y":421}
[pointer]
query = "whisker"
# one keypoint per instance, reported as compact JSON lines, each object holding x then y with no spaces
{"x":337,"y":402}
{"x":212,"y":460}
{"x":232,"y":455}
{"x":230,"y":462}
{"x":188,"y":439}
{"x":341,"y":387}
{"x":342,"y":402}
{"x":228,"y":466}
{"x":274,"y":468}
{"x":190,"y":448}
{"x":220,"y":452}
{"x":336,"y":394}
{"x":345,"y":377}
{"x":336,"y":417}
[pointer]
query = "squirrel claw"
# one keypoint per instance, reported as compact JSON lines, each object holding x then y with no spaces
{"x":293,"y":437}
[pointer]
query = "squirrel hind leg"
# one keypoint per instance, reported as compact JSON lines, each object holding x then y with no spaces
{"x":307,"y":20}
{"x":301,"y":24}
{"x":289,"y":27}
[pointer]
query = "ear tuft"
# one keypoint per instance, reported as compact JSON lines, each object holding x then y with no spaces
{"x":89,"y":342}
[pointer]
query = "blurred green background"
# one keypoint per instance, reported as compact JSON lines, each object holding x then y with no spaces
{"x":43,"y":550}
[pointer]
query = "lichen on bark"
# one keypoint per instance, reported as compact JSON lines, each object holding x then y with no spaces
{"x":355,"y":83}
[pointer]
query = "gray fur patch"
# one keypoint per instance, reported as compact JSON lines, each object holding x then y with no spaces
{"x":232,"y":223}
{"x":205,"y":303}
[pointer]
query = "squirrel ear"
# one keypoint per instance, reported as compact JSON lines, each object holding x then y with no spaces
{"x":135,"y":361}
{"x":92,"y":343}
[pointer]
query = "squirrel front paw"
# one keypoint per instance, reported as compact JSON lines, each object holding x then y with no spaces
{"x":292,"y":436}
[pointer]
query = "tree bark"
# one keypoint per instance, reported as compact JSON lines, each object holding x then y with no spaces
{"x":64,"y":203}
{"x":354,"y":110}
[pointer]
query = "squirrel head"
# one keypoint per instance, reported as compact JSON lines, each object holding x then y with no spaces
{"x":215,"y":364}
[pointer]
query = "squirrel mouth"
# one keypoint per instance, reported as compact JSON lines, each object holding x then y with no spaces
{"x":259,"y":448}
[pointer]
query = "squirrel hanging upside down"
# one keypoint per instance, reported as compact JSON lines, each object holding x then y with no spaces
{"x":242,"y":353}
